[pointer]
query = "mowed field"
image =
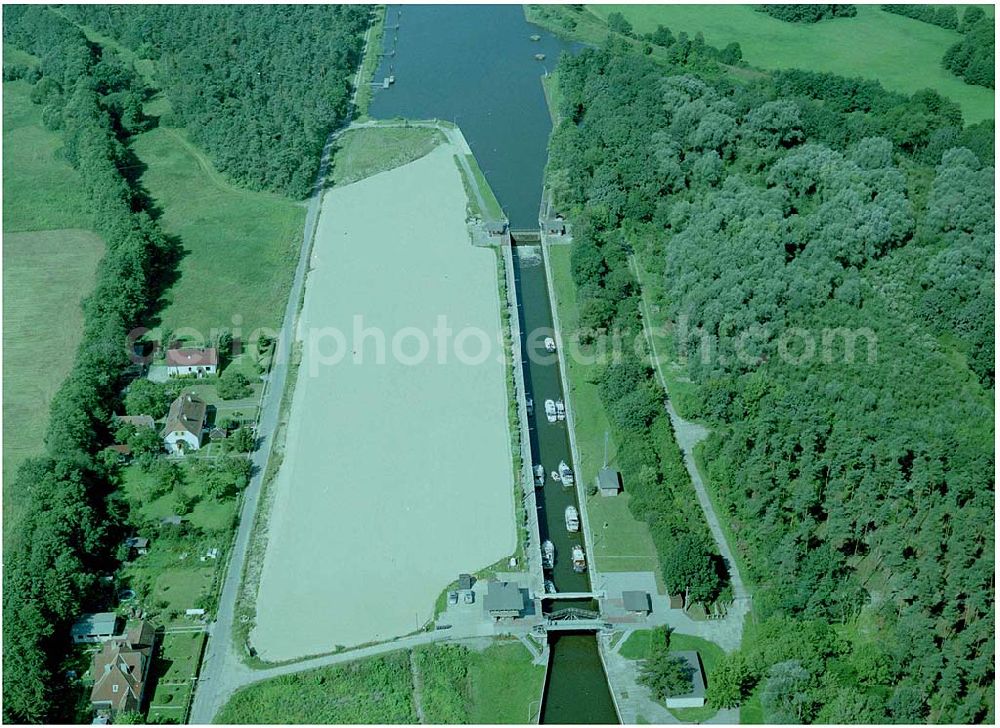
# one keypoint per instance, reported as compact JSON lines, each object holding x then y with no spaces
{"x":397,"y":475}
{"x":904,"y":54}
{"x":240,"y":247}
{"x":49,"y":261}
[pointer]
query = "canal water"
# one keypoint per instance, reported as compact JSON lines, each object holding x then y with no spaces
{"x":476,"y":66}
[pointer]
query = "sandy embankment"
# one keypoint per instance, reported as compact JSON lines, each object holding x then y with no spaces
{"x":395,"y":477}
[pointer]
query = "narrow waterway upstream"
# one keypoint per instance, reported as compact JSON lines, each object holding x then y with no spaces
{"x":477,"y":66}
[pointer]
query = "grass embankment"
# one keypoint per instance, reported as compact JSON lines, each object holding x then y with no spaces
{"x":370,"y":64}
{"x":490,"y":208}
{"x":240,"y":247}
{"x":640,"y":644}
{"x":901,"y":53}
{"x":49,"y":267}
{"x":361,"y":153}
{"x":377,"y":690}
{"x":621,"y":543}
{"x":458,"y":685}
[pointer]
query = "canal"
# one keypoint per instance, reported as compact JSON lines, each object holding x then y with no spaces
{"x":477,"y":66}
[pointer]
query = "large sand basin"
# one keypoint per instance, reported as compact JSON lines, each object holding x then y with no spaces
{"x":396,"y":477}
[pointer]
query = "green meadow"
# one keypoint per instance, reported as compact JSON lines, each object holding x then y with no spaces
{"x":50,"y":257}
{"x":902,"y":53}
{"x":240,"y":247}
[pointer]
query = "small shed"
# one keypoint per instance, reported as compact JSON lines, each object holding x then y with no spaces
{"x":503,"y":600}
{"x":465,"y":581}
{"x":676,"y":601}
{"x":137,"y":544}
{"x":218,"y":433}
{"x":694,"y":698}
{"x":608,"y":481}
{"x":171,"y":520}
{"x":636,"y":602}
{"x":97,"y":627}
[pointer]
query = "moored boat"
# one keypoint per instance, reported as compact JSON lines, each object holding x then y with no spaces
{"x":560,"y":410}
{"x":565,"y":473}
{"x":572,"y":519}
{"x":555,"y":476}
{"x":539,"y":475}
{"x":550,"y":410}
{"x":579,"y":560}
{"x":550,"y":344}
{"x":550,"y":588}
{"x":548,"y":554}
{"x":530,"y":405}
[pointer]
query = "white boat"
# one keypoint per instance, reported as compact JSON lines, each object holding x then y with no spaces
{"x":550,"y":410}
{"x":555,"y":476}
{"x":550,"y":344}
{"x":560,"y":410}
{"x":579,"y":560}
{"x":548,"y":554}
{"x":572,"y":519}
{"x":565,"y":473}
{"x":530,"y":404}
{"x":550,"y":588}
{"x":539,"y":475}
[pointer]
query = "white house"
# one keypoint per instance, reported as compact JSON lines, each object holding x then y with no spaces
{"x":200,"y":362}
{"x":185,"y":423}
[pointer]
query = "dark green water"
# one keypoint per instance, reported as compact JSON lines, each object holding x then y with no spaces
{"x":475,"y":66}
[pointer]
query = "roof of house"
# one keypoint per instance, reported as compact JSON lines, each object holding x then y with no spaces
{"x":697,"y":679}
{"x":635,"y":601}
{"x":174,"y":520}
{"x":607,"y":479}
{"x":121,"y":667}
{"x":503,"y":596}
{"x":465,"y":581}
{"x":121,"y":449}
{"x":137,"y":542}
{"x":136,"y":420}
{"x":97,"y":623}
{"x":193,"y":357}
{"x":187,"y":412}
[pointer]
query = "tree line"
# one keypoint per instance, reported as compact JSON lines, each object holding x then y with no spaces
{"x":807,"y":13}
{"x":855,"y":487}
{"x":65,"y":537}
{"x":257,"y":87}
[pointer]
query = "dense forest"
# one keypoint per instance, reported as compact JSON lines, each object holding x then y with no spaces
{"x":258,"y":87}
{"x":807,"y":13}
{"x":73,"y":516}
{"x":856,"y":478}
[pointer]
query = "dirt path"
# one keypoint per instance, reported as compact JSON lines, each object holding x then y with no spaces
{"x":688,"y":435}
{"x":418,"y":688}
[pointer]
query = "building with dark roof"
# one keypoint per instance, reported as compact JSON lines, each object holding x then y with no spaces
{"x":120,"y":671}
{"x":185,"y":423}
{"x":504,"y":600}
{"x":636,"y":602}
{"x":608,"y":481}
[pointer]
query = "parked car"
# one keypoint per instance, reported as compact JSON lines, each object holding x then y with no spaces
{"x":470,"y":597}
{"x":453,"y":598}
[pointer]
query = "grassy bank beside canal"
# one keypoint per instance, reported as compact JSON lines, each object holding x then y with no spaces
{"x":361,"y":153}
{"x":621,"y":542}
{"x":499,"y":684}
{"x":370,"y":63}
